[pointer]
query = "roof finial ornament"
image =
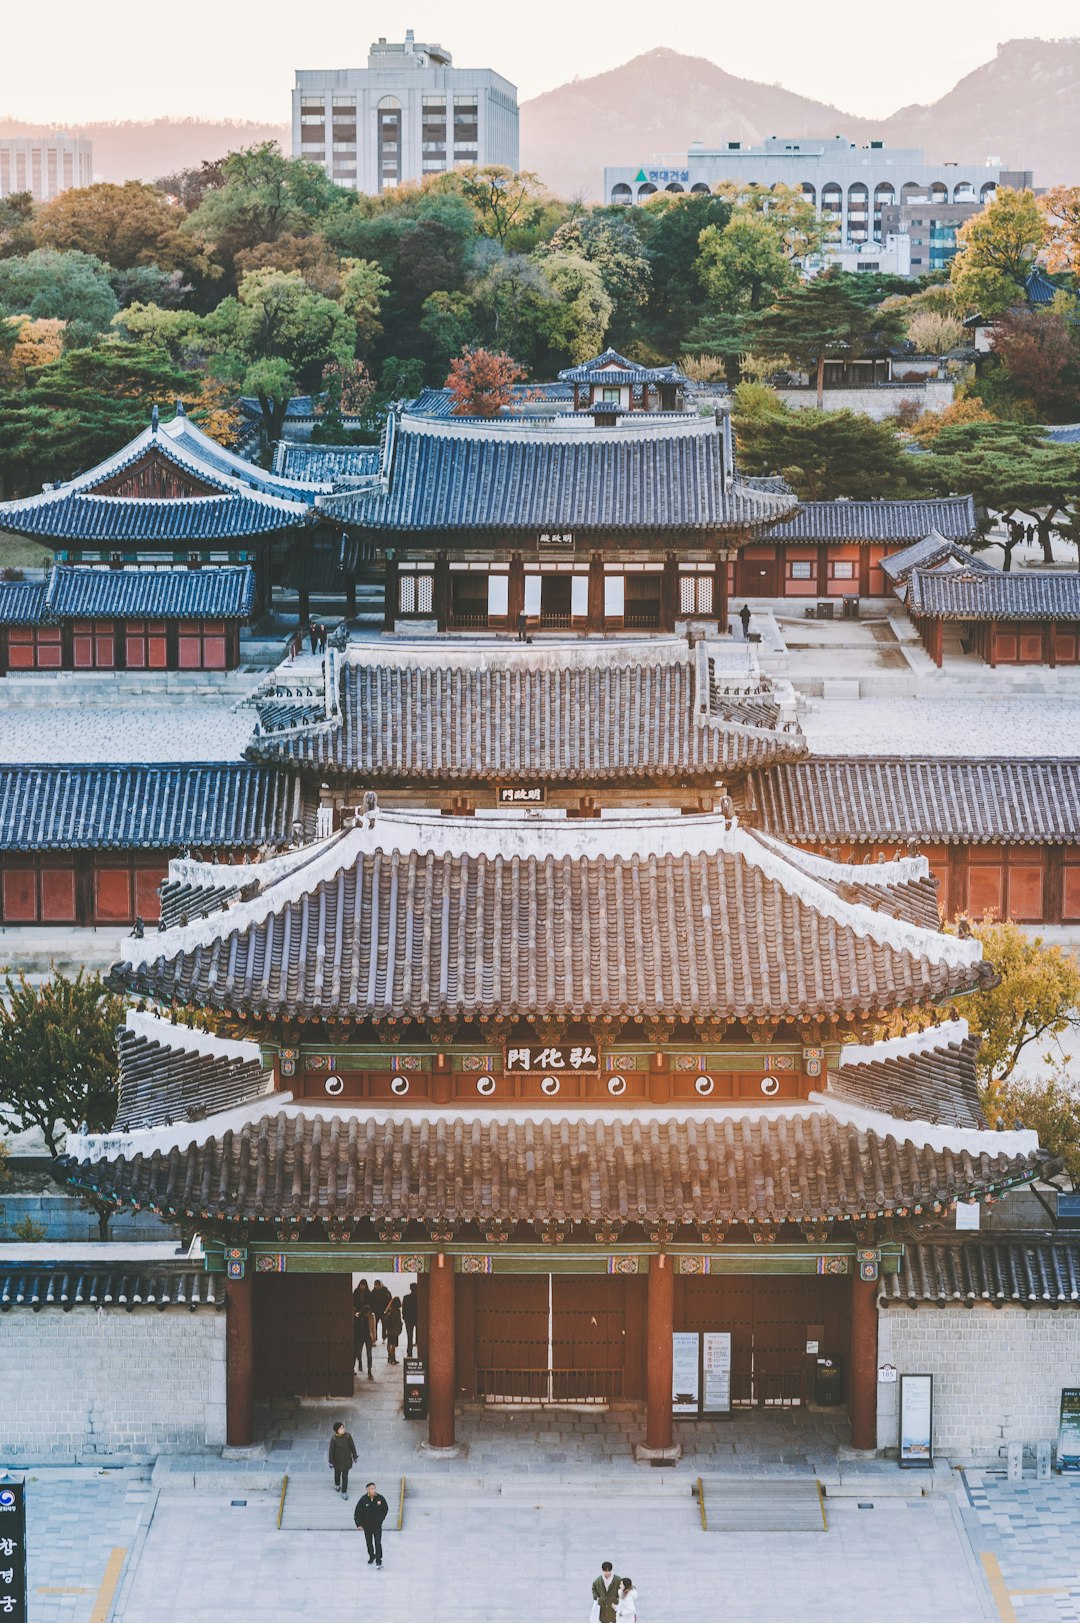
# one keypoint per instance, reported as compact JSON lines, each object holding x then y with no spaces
{"x":154,"y":419}
{"x":180,"y":412}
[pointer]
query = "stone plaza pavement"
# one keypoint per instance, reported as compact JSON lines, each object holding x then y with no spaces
{"x":513,"y":1531}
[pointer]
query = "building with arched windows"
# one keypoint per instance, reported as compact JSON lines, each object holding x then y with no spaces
{"x":853,"y":188}
{"x":408,"y":114}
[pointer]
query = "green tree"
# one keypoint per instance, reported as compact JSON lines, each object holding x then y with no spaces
{"x":504,"y":200}
{"x":1006,"y":467}
{"x":582,"y":309}
{"x":514,"y":305}
{"x":826,"y":319}
{"x":607,"y":239}
{"x":363,"y":290}
{"x":670,"y":225}
{"x":262,"y":196}
{"x":743,"y":265}
{"x":67,"y":286}
{"x":822,"y":455}
{"x":791,"y":216}
{"x":996,"y":251}
{"x":125,"y":225}
{"x":58,"y":1055}
{"x":1049,"y":1107}
{"x":16,"y":225}
{"x":1037,"y":996}
{"x":1040,"y":353}
{"x":448,"y":322}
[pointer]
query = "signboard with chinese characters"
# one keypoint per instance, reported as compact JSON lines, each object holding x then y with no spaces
{"x":13,"y":1551}
{"x":556,"y":540}
{"x":685,"y":1372}
{"x":716,"y":1372}
{"x":1068,"y":1447}
{"x":917,"y":1420}
{"x":523,"y":1059}
{"x":520,"y":794}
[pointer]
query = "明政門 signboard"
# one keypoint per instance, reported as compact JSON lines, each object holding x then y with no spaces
{"x":685,"y":1372}
{"x":1068,"y":1447}
{"x":524,"y":1059}
{"x":520,"y":794}
{"x":13,"y":1551}
{"x":917,"y":1420}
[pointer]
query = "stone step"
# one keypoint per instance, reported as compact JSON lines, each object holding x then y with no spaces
{"x":770,"y":1505}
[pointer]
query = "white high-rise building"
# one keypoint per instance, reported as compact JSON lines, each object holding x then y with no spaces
{"x":408,"y":114}
{"x":44,"y":165}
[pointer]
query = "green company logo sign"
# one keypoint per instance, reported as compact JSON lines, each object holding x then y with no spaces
{"x":640,"y":176}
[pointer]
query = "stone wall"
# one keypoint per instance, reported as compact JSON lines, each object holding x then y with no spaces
{"x":998,"y":1374}
{"x":101,"y":1381}
{"x":60,"y":1217}
{"x":933,"y":395}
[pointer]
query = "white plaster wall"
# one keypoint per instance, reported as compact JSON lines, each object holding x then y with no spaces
{"x":998,"y":1373}
{"x":101,"y":1381}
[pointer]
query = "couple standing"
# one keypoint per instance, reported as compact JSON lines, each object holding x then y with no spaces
{"x":614,"y":1599}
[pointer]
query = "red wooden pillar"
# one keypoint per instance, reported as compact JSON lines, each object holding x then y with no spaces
{"x":660,"y":1321}
{"x":596,"y":592}
{"x":862,"y":1363}
{"x":720,"y":593}
{"x":669,"y":592}
{"x":515,"y":589}
{"x":1050,"y":645}
{"x":390,"y":592}
{"x":441,"y":1353}
{"x":239,"y":1362}
{"x":422,"y":1316}
{"x":993,"y":644}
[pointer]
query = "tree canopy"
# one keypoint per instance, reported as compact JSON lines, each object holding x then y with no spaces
{"x":58,"y":1055}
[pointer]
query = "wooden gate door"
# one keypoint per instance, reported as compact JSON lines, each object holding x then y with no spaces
{"x":511,"y":1319}
{"x":588,"y":1337}
{"x":770,"y":1322}
{"x":303,"y":1326}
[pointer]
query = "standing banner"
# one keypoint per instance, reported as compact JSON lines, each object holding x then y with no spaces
{"x":716,"y":1372}
{"x":1068,"y":1447}
{"x":917,"y":1420}
{"x":13,"y":1551}
{"x":685,"y":1375}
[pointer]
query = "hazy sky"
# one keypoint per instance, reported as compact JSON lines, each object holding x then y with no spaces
{"x":82,"y":60}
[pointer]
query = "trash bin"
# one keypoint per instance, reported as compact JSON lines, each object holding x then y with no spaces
{"x":851,"y":608}
{"x":825,"y":608}
{"x":414,"y":1376}
{"x":829,"y":1383}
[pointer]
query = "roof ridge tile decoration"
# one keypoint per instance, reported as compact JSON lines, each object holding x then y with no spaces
{"x":730,"y":1168}
{"x":550,"y":714}
{"x":940,"y":801}
{"x":413,"y":918}
{"x":884,"y":519}
{"x":169,"y":1074}
{"x":978,"y":594}
{"x":445,"y":475}
{"x":146,"y":806}
{"x":996,"y":1270}
{"x":933,"y":551}
{"x":68,"y":1285}
{"x":930,"y":1077}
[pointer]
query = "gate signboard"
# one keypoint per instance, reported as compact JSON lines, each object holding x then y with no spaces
{"x":917,"y":1420}
{"x":716,"y":1372}
{"x":13,"y":1550}
{"x":1068,"y":1448}
{"x":685,"y":1372}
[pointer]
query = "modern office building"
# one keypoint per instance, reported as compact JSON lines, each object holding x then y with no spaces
{"x":849,"y":185}
{"x":44,"y":165}
{"x":930,"y":226}
{"x":408,"y":114}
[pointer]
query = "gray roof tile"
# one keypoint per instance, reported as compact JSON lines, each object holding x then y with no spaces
{"x":967,"y":594}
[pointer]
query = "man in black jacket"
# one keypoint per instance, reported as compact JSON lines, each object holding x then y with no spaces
{"x":342,"y":1457}
{"x":370,"y":1513}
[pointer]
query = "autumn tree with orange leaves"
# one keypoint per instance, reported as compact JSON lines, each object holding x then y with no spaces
{"x":480,"y":382}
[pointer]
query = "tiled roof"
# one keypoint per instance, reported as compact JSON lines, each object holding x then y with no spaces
{"x":926,"y":1078}
{"x":953,"y":517}
{"x":86,"y":1284}
{"x":734,"y":1169}
{"x":967,"y":594}
{"x":561,"y":715}
{"x":611,"y":367}
{"x":416,"y":917}
{"x":219,"y":592}
{"x":1025,"y":1269}
{"x":931,"y":552}
{"x":448,"y":476}
{"x":1063,"y":434}
{"x":168,"y":1073}
{"x":324,"y":464}
{"x":931,"y":800}
{"x":230,"y":516}
{"x":141,"y":807}
{"x":22,"y":603}
{"x":1040,"y":290}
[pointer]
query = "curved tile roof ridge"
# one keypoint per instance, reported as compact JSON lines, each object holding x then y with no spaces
{"x":558,"y":840}
{"x":158,"y":1028}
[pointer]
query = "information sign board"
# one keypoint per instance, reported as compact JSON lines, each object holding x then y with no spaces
{"x":917,"y":1420}
{"x":1068,"y":1448}
{"x":13,"y":1551}
{"x":685,"y":1372}
{"x":716,"y":1372}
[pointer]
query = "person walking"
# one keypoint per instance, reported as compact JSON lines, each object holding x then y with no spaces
{"x":626,"y":1611}
{"x":313,"y":636}
{"x":605,"y":1594}
{"x":744,"y":616}
{"x":1029,"y":532}
{"x":363,"y":1338}
{"x":321,"y":632}
{"x":342,"y":1457}
{"x":380,"y":1301}
{"x":409,"y":1306}
{"x":522,"y":625}
{"x":370,"y":1513}
{"x":392,"y":1326}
